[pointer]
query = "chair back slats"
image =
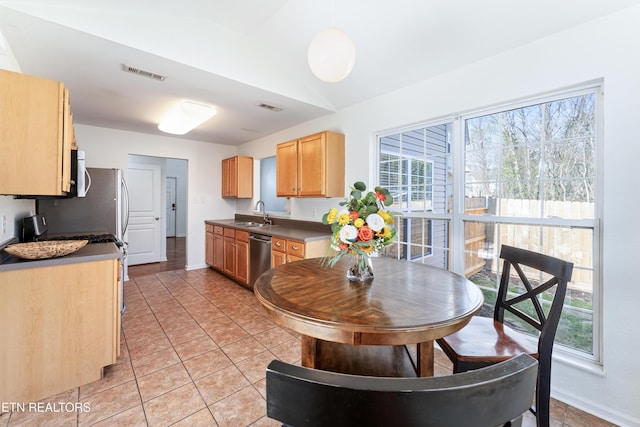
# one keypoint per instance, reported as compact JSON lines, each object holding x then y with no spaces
{"x":496,"y":395}
{"x":532,"y":296}
{"x":560,"y":272}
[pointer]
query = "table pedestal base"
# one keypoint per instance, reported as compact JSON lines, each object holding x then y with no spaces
{"x":373,"y":360}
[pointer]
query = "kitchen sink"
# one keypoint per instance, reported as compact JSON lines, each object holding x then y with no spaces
{"x":250,"y":224}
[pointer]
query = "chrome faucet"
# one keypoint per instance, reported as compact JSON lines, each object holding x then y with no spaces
{"x":260,"y":207}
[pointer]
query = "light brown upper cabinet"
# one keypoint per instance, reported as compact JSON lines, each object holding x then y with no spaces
{"x":36,"y":136}
{"x":237,"y":177}
{"x":312,"y":166}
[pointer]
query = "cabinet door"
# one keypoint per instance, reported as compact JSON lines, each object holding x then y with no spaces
{"x":218,"y":252}
{"x":229,"y":177}
{"x":242,"y":262}
{"x":64,"y":327}
{"x":229,"y":259}
{"x":31,"y":135}
{"x":292,"y":258}
{"x":244,"y":177}
{"x":311,"y":165}
{"x":278,"y":258}
{"x":208,"y":248}
{"x":287,"y":169}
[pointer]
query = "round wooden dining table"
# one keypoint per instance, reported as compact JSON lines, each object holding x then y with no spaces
{"x":385,"y":327}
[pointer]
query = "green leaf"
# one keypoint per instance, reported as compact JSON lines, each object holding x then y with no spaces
{"x":356,"y":194}
{"x":370,"y":197}
{"x":324,"y":218}
{"x":359,"y":185}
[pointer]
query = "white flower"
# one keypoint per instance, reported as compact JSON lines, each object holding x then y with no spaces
{"x":375,"y":222}
{"x":348,"y":233}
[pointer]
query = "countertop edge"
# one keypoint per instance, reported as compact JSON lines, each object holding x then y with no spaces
{"x":275,"y":230}
{"x":88,"y":253}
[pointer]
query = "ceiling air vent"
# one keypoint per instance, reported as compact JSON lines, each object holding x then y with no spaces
{"x":269,"y":107}
{"x":138,"y":71}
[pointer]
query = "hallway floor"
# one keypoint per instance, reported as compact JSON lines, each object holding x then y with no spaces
{"x":194,"y":350}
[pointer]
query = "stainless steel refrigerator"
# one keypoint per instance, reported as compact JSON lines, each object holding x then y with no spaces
{"x":104,"y":210}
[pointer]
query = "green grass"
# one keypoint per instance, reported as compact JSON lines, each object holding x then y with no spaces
{"x":575,"y":329}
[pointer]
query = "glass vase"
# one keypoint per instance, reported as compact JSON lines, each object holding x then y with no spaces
{"x":360,"y":268}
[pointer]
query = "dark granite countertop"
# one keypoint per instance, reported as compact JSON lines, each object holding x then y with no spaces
{"x":304,"y":231}
{"x":88,"y":253}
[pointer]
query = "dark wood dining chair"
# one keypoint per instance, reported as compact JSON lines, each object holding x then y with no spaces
{"x":485,"y":341}
{"x":497,"y":395}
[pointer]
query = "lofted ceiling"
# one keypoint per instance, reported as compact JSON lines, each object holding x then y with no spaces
{"x":237,"y":54}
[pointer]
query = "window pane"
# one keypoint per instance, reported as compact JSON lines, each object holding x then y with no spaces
{"x":510,"y":159}
{"x":413,"y":164}
{"x":482,"y":266}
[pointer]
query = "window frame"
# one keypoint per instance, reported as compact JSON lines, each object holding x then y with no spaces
{"x":457,"y":216}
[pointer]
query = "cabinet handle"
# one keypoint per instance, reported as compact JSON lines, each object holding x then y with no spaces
{"x":294,"y":247}
{"x":293,"y":189}
{"x":278,"y":244}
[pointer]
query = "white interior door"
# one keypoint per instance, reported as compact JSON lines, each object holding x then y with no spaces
{"x":145,"y":232}
{"x":172,"y":185}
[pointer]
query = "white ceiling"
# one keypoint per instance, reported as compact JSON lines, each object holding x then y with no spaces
{"x":236,"y":54}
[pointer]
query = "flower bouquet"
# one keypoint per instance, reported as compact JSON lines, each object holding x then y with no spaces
{"x":360,"y":228}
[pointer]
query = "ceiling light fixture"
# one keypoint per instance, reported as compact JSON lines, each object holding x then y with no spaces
{"x":186,"y":116}
{"x":331,"y":54}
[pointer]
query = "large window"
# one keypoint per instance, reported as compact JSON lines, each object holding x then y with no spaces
{"x":527,"y":177}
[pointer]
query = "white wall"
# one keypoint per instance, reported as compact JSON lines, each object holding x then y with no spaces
{"x":110,"y":148}
{"x":604,"y":49}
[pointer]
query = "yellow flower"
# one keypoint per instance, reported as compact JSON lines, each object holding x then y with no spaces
{"x":343,"y":219}
{"x":367,"y":249}
{"x":385,"y":233}
{"x":331,"y":216}
{"x":358,"y":222}
{"x":388,"y":219}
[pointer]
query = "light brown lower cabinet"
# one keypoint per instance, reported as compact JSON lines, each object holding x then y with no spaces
{"x":287,"y":250}
{"x":228,"y":252}
{"x":60,"y":327}
{"x":218,"y":247}
{"x":208,"y":244}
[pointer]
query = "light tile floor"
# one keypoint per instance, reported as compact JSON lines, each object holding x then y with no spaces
{"x":194,"y":350}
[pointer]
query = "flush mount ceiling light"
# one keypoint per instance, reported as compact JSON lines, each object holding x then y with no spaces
{"x":331,"y":55}
{"x":185,"y":117}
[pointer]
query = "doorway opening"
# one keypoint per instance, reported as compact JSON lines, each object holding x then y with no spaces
{"x":158,"y":213}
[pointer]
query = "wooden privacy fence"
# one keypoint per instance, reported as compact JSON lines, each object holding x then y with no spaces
{"x":570,"y":244}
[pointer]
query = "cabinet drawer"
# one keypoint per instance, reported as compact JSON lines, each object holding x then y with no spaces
{"x":278,"y":244}
{"x":295,"y":248}
{"x":229,"y":232}
{"x":217,"y":229}
{"x":242,"y":236}
{"x":209,"y":228}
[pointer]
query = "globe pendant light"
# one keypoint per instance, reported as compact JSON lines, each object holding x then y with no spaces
{"x":331,"y":55}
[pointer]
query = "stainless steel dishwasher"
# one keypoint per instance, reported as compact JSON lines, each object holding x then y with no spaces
{"x":259,"y":256}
